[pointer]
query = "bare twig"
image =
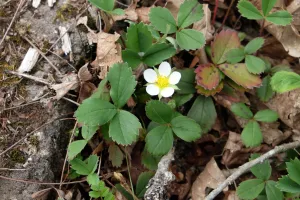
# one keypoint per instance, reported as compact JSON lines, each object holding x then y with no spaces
{"x":226,"y":15}
{"x":42,"y":54}
{"x":40,"y":80}
{"x":12,"y":21}
{"x":8,"y":169}
{"x":248,"y":165}
{"x":70,"y":100}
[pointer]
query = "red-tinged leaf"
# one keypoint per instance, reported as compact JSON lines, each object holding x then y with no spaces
{"x":224,"y":42}
{"x":203,"y":91}
{"x":207,"y":76}
{"x":239,"y":74}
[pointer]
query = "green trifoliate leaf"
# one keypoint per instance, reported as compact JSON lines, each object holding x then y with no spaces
{"x":150,"y":161}
{"x":122,"y":83}
{"x":235,"y":55}
{"x":102,"y":91}
{"x":163,"y":20}
{"x":252,"y":135}
{"x":273,"y":192}
{"x":88,"y":132}
{"x":265,"y":91}
{"x":266,"y":116}
{"x":181,"y":99}
{"x":85,"y":167}
{"x":186,"y":128}
{"x":282,"y":18}
{"x":124,"y":128}
{"x":248,"y":10}
{"x":139,"y":38}
{"x":186,"y":84}
{"x":284,"y":81}
{"x":293,"y":168}
{"x":254,"y":45}
{"x":142,"y":183}
{"x":115,"y":155}
{"x":132,"y":58}
{"x":254,"y":64}
{"x":241,"y":110}
{"x":159,"y":112}
{"x":93,"y":179}
{"x":203,"y":111}
{"x":286,"y":184}
{"x":190,"y":39}
{"x":159,"y":140}
{"x":250,"y":189}
{"x":94,"y":111}
{"x":190,"y":11}
{"x":106,"y":5}
{"x":117,"y":11}
{"x":267,"y":6}
{"x":75,"y":148}
{"x":262,"y":170}
{"x":92,"y":163}
{"x":158,"y":53}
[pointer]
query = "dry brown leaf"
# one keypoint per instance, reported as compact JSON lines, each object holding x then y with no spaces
{"x":143,"y":14}
{"x":69,"y":82}
{"x":91,"y":35}
{"x":204,"y":25}
{"x":271,"y":133}
{"x":211,"y":177}
{"x":173,"y":6}
{"x":130,"y":14}
{"x":231,"y":195}
{"x":84,"y":74}
{"x":234,"y":142}
{"x":41,"y":195}
{"x":86,"y":90}
{"x":108,"y":52}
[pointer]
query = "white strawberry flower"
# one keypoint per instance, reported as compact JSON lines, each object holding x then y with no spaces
{"x":161,"y":82}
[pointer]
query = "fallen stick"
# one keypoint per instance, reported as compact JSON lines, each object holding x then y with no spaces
{"x":242,"y":169}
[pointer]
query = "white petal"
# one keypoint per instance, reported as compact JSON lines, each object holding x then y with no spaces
{"x":167,"y":92}
{"x":164,"y":69}
{"x":152,"y":89}
{"x":174,"y":78}
{"x":150,"y":75}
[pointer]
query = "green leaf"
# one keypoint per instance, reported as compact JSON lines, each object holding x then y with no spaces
{"x":282,"y":18}
{"x":254,"y":45}
{"x":240,"y":75}
{"x":241,"y":110}
{"x":208,"y":76}
{"x":84,"y":168}
{"x":267,"y":6}
{"x":186,"y":128}
{"x":124,"y":192}
{"x":75,"y":148}
{"x":250,"y":189}
{"x":254,"y":64}
{"x":203,"y":112}
{"x":248,"y":10}
{"x":293,"y":168}
{"x":181,"y":99}
{"x":190,"y":11}
{"x":273,"y":192}
{"x":235,"y":55}
{"x":190,"y":39}
{"x":251,"y":135}
{"x":158,"y":53}
{"x":93,"y":179}
{"x":159,"y":140}
{"x":124,"y":128}
{"x":117,"y":11}
{"x":262,"y":170}
{"x":265,"y":91}
{"x":163,"y":20}
{"x":88,"y":131}
{"x":115,"y":155}
{"x":132,"y":58}
{"x":122,"y":83}
{"x":223,"y":43}
{"x":106,"y":5}
{"x":139,"y":38}
{"x":266,"y":116}
{"x":186,"y":84}
{"x":159,"y":112}
{"x":94,"y":111}
{"x":285,"y":81}
{"x":102,"y":91}
{"x":279,"y":68}
{"x":92,"y":163}
{"x":95,"y":194}
{"x":150,"y":161}
{"x":142,"y":183}
{"x":286,"y":184}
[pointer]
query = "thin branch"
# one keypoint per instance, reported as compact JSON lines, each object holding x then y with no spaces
{"x":37,"y":79}
{"x":227,"y":13}
{"x":8,"y":169}
{"x":248,"y":165}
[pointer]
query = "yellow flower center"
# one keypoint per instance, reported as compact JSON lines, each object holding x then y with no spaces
{"x":162,"y":81}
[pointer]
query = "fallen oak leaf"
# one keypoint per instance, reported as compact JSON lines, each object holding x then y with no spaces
{"x":69,"y":82}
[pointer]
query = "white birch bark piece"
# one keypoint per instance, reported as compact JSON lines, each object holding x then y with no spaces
{"x":51,"y":3}
{"x":29,"y":60}
{"x":36,"y":3}
{"x":66,"y":41}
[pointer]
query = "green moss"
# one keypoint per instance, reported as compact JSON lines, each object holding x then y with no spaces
{"x":33,"y":140}
{"x":17,"y":156}
{"x":65,"y":12}
{"x":46,"y":46}
{"x":6,"y":79}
